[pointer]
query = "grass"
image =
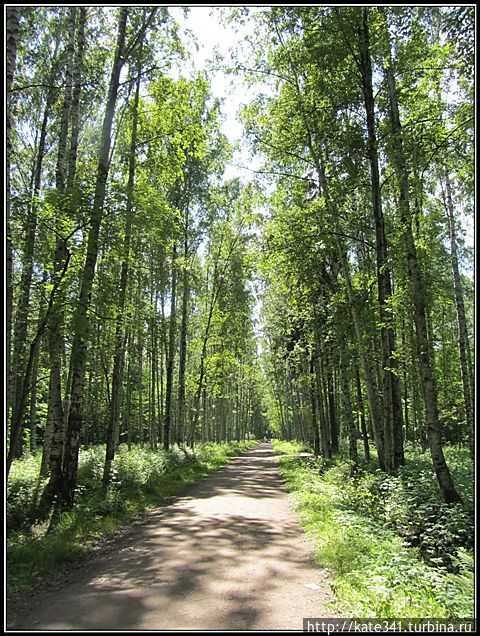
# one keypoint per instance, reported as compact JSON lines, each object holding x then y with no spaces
{"x":393,"y":549}
{"x":141,"y":480}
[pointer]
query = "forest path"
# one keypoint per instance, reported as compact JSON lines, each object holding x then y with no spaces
{"x":227,"y":554}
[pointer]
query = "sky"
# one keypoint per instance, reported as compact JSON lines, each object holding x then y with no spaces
{"x":215,"y":36}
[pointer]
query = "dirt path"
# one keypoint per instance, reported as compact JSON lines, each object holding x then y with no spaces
{"x":227,"y":554}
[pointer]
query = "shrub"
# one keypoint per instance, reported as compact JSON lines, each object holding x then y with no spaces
{"x":363,"y":529}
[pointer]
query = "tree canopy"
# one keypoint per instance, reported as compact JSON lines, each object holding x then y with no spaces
{"x":152,"y":301}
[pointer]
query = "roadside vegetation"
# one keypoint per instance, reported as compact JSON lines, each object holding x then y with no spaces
{"x":393,"y":548}
{"x":142,"y":479}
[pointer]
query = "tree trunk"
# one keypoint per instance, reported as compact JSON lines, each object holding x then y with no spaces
{"x":347,"y":409}
{"x":141,"y":438}
{"x":127,"y":410}
{"x":11,"y":36}
{"x":434,"y":432}
{"x":34,"y":389}
{"x":392,"y":412}
{"x":332,"y":413}
{"x":120,"y":330}
{"x":80,"y":325}
{"x":463,"y":341}
{"x":161,"y":364}
{"x":203,"y":355}
{"x":61,"y":166}
{"x":216,"y":289}
{"x":370,"y":383}
{"x":204,"y":435}
{"x":183,"y":337}
{"x":56,"y":345}
{"x":171,"y":353}
{"x":318,"y":162}
{"x":32,"y":417}
{"x":360,"y":409}
{"x":75,"y":105}
{"x":21,"y":322}
{"x":406,"y":378}
{"x":313,"y":400}
{"x":152,"y":379}
{"x":25,"y":385}
{"x":324,"y":428}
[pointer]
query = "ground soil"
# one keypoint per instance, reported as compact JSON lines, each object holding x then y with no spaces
{"x":226,"y":554}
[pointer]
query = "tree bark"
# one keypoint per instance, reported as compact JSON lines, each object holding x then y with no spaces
{"x":56,"y":345}
{"x":324,"y":421}
{"x":23,"y":304}
{"x":370,"y":382}
{"x":152,"y":369}
{"x":141,"y":437}
{"x":347,"y":410}
{"x":33,"y":393}
{"x":12,"y":37}
{"x":434,"y":431}
{"x":328,"y":435}
{"x":120,"y":328}
{"x":313,"y":400}
{"x":392,"y":412}
{"x":32,"y":417}
{"x":80,"y":326}
{"x":332,"y":413}
{"x":25,"y":386}
{"x":360,"y":409}
{"x":183,"y":337}
{"x":171,"y":353}
{"x":128,"y":398}
{"x":463,"y":341}
{"x":76,"y":92}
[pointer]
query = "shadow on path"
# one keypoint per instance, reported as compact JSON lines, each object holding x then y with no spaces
{"x":226,"y":554}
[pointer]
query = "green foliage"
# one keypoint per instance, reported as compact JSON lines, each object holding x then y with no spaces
{"x":359,"y":528}
{"x":24,"y":488}
{"x":142,"y":479}
{"x":289,"y":448}
{"x":414,"y":508}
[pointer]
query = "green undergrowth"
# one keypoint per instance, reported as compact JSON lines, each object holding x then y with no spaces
{"x":392,"y":547}
{"x":141,"y":480}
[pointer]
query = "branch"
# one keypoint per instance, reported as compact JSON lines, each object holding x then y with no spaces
{"x":353,"y":238}
{"x":54,"y":86}
{"x":147,"y":70}
{"x":136,"y":40}
{"x":287,"y":152}
{"x":267,"y":172}
{"x":347,"y":41}
{"x":443,"y":142}
{"x":255,"y":70}
{"x":60,"y":236}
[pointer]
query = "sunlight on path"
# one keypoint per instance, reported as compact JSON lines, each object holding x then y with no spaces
{"x":227,"y":554}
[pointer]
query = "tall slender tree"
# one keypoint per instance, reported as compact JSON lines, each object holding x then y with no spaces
{"x":392,"y":411}
{"x":424,"y":346}
{"x":120,"y":329}
{"x":463,"y":340}
{"x":74,"y":425}
{"x":12,"y":37}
